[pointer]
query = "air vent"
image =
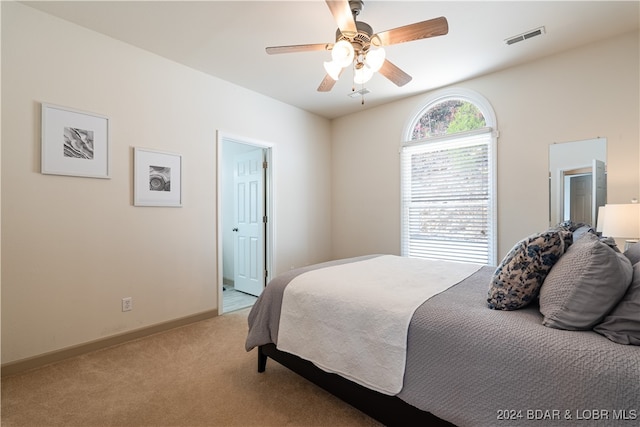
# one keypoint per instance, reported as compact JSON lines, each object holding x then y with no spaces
{"x":360,"y":92}
{"x":525,"y":36}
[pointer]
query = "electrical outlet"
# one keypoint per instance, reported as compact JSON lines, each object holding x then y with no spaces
{"x":127,"y":304}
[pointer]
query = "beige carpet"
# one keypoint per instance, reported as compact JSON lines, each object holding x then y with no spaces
{"x":196,"y":375}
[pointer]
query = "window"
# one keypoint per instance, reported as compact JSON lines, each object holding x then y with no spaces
{"x":448,"y":180}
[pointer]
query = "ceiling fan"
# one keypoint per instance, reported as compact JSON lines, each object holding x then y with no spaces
{"x":357,"y":44}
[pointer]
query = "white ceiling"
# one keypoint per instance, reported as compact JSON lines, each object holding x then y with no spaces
{"x":227,"y":39}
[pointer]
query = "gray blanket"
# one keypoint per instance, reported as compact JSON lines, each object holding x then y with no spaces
{"x":474,"y":366}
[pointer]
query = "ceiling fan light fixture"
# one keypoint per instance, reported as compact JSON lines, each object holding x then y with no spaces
{"x":375,"y":58}
{"x":333,"y":69}
{"x":342,"y":53}
{"x":362,"y":75}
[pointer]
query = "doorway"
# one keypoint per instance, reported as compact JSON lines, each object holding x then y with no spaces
{"x":245,"y":220}
{"x":584,"y":190}
{"x":578,"y":198}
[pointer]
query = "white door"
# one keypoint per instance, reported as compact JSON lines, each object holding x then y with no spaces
{"x":581,"y":201}
{"x":249,"y":229}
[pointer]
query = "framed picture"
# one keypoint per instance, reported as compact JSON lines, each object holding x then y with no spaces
{"x":157,"y":178}
{"x":74,"y":143}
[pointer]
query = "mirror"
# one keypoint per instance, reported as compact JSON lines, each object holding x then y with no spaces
{"x":577,"y":180}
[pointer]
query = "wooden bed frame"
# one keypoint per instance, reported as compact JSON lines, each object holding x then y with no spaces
{"x":389,"y":410}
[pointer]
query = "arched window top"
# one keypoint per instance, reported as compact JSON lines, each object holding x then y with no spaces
{"x":447,"y":117}
{"x":448,"y":112}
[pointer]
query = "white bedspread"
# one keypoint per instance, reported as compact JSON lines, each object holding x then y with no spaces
{"x":352,"y":319}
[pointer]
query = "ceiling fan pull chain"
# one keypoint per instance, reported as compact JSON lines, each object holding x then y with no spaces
{"x":353,"y":79}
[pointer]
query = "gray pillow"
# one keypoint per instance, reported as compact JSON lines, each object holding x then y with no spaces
{"x":633,"y":253}
{"x":517,"y":280}
{"x":584,"y":285}
{"x":581,"y":231}
{"x":622,"y":325}
{"x":611,"y":242}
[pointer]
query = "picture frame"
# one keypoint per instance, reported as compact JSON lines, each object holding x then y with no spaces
{"x":74,"y":142}
{"x":157,"y":178}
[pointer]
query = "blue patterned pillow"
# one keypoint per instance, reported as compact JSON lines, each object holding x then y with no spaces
{"x":517,"y":280}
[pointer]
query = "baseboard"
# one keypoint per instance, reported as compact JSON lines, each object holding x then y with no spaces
{"x":39,"y":361}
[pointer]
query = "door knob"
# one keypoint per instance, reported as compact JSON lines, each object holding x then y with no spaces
{"x":235,"y":229}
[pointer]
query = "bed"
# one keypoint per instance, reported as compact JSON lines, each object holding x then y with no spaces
{"x":466,"y":364}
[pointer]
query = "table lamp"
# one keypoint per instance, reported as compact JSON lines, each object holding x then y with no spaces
{"x":622,"y":221}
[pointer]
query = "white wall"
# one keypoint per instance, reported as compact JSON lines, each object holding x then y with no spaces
{"x":580,"y":94}
{"x":73,"y":247}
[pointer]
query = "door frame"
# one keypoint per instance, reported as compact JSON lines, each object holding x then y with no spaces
{"x":269,"y":192}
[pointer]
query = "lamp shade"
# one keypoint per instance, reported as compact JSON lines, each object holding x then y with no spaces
{"x":621,"y":221}
{"x":333,"y":69}
{"x":362,"y":75}
{"x":342,"y":53}
{"x":375,"y":59}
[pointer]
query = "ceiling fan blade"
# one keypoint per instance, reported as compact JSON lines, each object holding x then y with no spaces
{"x":341,"y":12}
{"x":395,"y":74}
{"x":327,"y":84}
{"x":273,"y":50}
{"x":419,"y":30}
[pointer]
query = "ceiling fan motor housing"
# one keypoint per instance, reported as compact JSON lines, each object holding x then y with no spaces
{"x":361,"y":41}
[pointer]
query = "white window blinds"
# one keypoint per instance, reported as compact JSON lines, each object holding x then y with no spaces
{"x":447,"y":198}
